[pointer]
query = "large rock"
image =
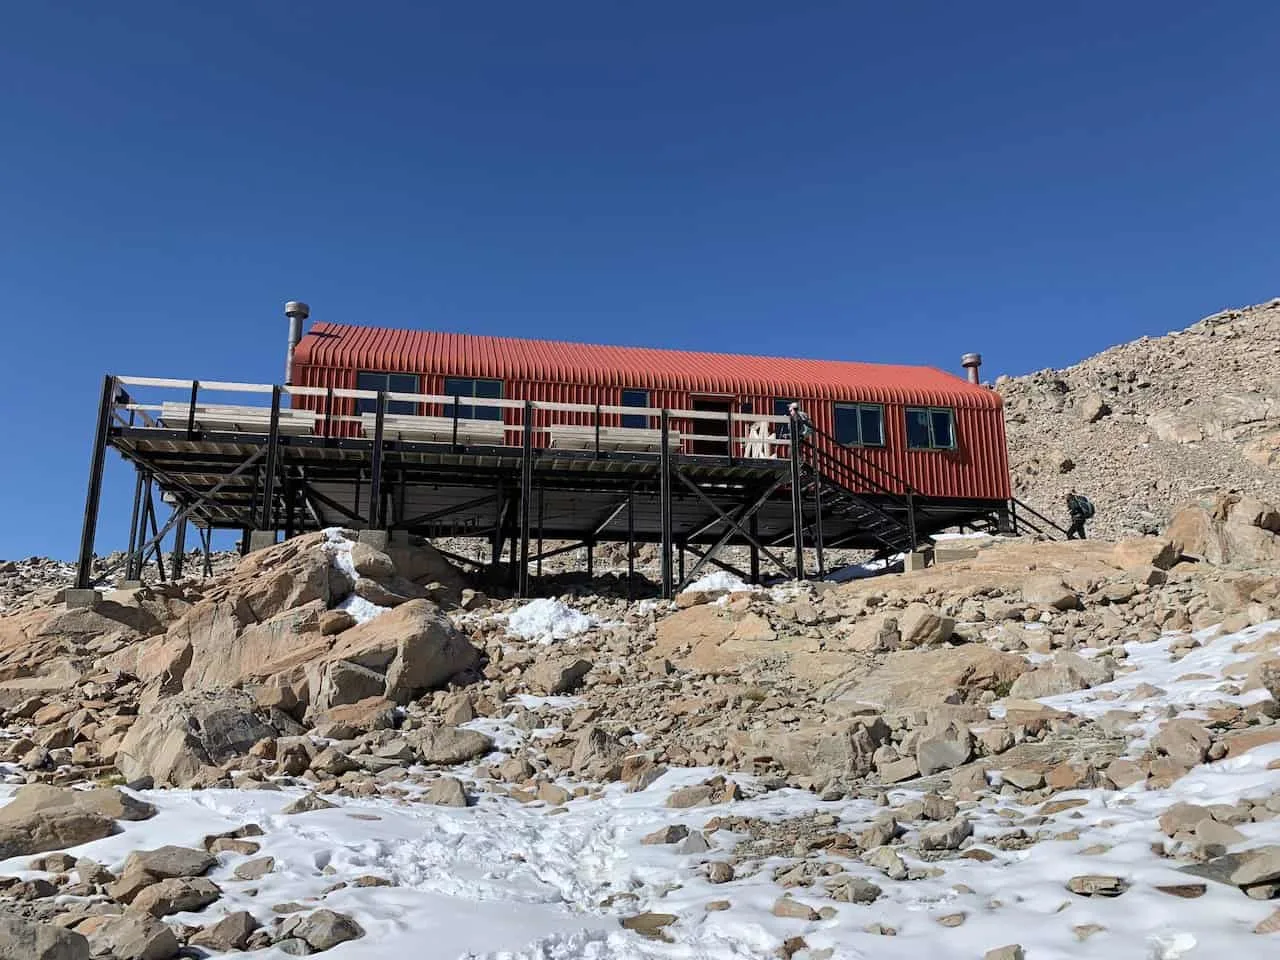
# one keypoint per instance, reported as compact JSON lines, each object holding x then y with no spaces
{"x":922,"y":626}
{"x":1184,"y":741}
{"x":176,"y":896}
{"x":323,"y":929}
{"x":27,"y":940}
{"x":943,"y":747}
{"x":346,"y":683}
{"x":925,"y":678}
{"x":170,"y":862}
{"x":1140,"y":553}
{"x":43,"y":798}
{"x":42,"y":817}
{"x":559,"y":675}
{"x":178,"y":736}
{"x":837,"y":750}
{"x":1048,"y":590}
{"x":446,"y":746}
{"x":133,"y":936}
{"x":415,"y":646}
{"x":1225,"y":529}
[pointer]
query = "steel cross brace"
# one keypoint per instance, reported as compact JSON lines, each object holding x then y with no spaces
{"x":734,"y":523}
{"x":187,"y":510}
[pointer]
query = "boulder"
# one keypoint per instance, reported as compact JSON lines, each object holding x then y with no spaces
{"x":447,"y":792}
{"x":835,"y":750}
{"x":42,"y":817}
{"x":922,"y":626}
{"x":911,"y":679}
{"x":943,"y":747}
{"x":344,"y":682}
{"x":43,"y":798}
{"x":415,"y":646}
{"x":1226,"y":528}
{"x":945,"y":836}
{"x":446,"y":746}
{"x":1141,"y":553}
{"x":323,"y":929}
{"x":173,"y":739}
{"x":170,"y":862}
{"x":133,"y":936}
{"x":232,"y":932}
{"x":22,"y":939}
{"x":1186,"y":742}
{"x":1048,"y":590}
{"x":558,"y":676}
{"x":176,"y":895}
{"x":1092,"y":408}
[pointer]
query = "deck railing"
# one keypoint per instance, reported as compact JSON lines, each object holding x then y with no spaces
{"x":211,"y":406}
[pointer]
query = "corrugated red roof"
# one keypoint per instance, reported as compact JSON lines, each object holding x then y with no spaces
{"x":350,"y":347}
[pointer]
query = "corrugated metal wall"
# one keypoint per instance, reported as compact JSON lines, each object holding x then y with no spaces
{"x":977,"y":468}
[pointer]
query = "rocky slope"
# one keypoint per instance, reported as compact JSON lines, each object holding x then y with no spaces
{"x":1143,"y":426}
{"x":788,"y":756}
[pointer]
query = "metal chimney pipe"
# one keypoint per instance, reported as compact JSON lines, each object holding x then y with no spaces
{"x":972,"y":362}
{"x":297,"y":312}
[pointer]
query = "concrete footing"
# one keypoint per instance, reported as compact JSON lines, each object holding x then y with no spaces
{"x":916,"y":560}
{"x":261,"y":539}
{"x":129,"y":585}
{"x":382,"y":539}
{"x":81,"y":599}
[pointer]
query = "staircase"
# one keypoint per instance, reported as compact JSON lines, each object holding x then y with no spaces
{"x":889,"y":518}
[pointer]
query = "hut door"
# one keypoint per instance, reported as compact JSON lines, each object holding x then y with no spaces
{"x":713,"y":428}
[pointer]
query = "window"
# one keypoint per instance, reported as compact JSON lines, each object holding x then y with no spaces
{"x":390,"y":382}
{"x":635,"y":398}
{"x":930,"y":428}
{"x":479,"y":389}
{"x":860,"y":424}
{"x":780,"y":404}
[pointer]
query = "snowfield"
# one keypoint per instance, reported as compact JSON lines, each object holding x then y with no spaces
{"x":517,"y":881}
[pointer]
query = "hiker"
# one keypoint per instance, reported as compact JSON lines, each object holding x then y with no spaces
{"x":1081,"y":509}
{"x":802,"y":419}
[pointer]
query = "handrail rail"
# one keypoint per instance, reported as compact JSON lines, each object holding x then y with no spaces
{"x":1039,"y":516}
{"x":854,"y":454}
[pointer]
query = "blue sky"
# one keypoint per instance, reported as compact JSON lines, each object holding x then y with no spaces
{"x":897,"y":182}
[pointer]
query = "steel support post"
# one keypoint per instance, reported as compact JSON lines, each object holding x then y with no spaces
{"x":754,"y":528}
{"x":375,"y":478}
{"x":817,"y":522}
{"x":158,"y":538}
{"x":268,"y":521}
{"x":797,"y":501}
{"x":495,"y":541}
{"x":541,"y":515}
{"x":526,"y":498}
{"x":911,"y":518}
{"x":591,"y":559}
{"x":93,"y":496}
{"x":179,"y":548}
{"x":206,"y":542}
{"x":664,"y":488}
{"x":680,"y":564}
{"x":631,"y":545}
{"x":134,"y":530}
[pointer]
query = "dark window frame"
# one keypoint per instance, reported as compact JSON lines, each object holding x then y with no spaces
{"x":472,"y":411}
{"x":859,"y":409}
{"x":393,"y":406}
{"x":929,"y":414}
{"x":634,"y":421}
{"x":780,"y":404}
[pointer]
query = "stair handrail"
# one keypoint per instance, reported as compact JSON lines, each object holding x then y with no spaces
{"x":1037,"y":514}
{"x":905,"y":498}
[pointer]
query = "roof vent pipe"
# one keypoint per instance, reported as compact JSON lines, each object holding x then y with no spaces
{"x":972,"y":362}
{"x":297,"y":312}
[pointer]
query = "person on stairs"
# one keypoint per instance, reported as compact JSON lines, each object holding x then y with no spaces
{"x":1081,"y":509}
{"x":802,"y":419}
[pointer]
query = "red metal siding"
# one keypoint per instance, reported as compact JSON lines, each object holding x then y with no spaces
{"x":330,"y":355}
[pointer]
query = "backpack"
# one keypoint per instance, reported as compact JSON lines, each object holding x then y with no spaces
{"x":1085,"y":506}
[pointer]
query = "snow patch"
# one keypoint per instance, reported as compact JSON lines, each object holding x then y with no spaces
{"x":718,"y":581}
{"x":546,"y":620}
{"x":338,"y":548}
